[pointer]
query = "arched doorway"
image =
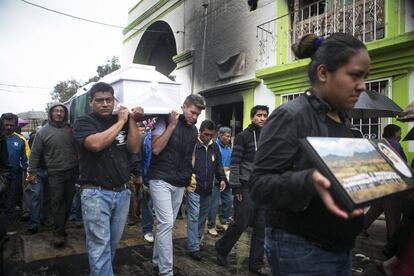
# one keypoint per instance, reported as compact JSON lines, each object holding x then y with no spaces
{"x":157,"y":47}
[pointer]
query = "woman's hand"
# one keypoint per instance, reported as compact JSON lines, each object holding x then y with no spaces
{"x":322,"y":185}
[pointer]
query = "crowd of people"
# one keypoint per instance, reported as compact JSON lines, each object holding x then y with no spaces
{"x":110,"y":169}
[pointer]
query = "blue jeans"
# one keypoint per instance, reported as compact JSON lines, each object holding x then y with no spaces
{"x":76,"y":208}
{"x":104,"y":215}
{"x":198,"y":206}
{"x":146,"y":213}
{"x":38,"y":210}
{"x":226,"y":204}
{"x":166,"y":199}
{"x":290,"y":255}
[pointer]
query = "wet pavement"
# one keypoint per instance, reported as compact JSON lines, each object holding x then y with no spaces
{"x":34,"y":254}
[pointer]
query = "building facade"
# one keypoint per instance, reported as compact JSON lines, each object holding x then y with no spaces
{"x":386,"y":26}
{"x":238,"y":54}
{"x":209,"y":46}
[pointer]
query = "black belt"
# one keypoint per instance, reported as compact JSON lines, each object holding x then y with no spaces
{"x":113,"y":189}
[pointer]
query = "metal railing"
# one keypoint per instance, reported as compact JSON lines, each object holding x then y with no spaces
{"x":365,"y":19}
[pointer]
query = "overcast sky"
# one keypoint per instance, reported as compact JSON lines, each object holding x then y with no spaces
{"x":39,"y":48}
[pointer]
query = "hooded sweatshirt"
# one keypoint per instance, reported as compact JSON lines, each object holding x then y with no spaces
{"x":56,"y":144}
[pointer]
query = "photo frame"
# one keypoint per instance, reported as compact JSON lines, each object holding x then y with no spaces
{"x":361,"y":171}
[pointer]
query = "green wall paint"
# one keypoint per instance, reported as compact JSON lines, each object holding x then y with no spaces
{"x":283,"y":32}
{"x":248,"y":103}
{"x":395,"y":17}
{"x":401,"y":97}
{"x":143,"y":28}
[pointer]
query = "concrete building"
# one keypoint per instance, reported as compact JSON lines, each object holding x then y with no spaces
{"x":238,"y":55}
{"x":386,"y":26}
{"x":209,"y":46}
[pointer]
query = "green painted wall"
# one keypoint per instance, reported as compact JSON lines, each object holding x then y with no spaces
{"x":401,"y":97}
{"x":283,"y":32}
{"x":394,"y":17}
{"x":248,"y":99}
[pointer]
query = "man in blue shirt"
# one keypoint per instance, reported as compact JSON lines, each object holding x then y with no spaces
{"x":19,"y":151}
{"x":224,"y":144}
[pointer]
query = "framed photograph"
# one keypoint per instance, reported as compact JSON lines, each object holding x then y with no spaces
{"x":360,"y":170}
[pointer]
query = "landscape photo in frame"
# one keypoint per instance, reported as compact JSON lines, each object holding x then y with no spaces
{"x":366,"y":170}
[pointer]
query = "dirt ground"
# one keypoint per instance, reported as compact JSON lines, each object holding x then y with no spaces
{"x":34,"y":254}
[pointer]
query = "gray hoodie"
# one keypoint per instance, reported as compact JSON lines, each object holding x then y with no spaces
{"x":56,"y":144}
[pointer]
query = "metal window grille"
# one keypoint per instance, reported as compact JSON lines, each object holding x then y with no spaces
{"x":289,"y":97}
{"x":370,"y":128}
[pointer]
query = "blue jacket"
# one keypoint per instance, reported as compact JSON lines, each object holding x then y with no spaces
{"x":146,"y":156}
{"x":19,"y":151}
{"x":207,"y":167}
{"x":225,"y":153}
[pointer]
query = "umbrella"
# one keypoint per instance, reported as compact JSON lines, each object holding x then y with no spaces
{"x":33,"y":115}
{"x":372,"y":104}
{"x":410,"y":135}
{"x":22,"y":122}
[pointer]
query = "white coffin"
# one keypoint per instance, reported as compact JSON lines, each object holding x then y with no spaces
{"x":142,"y":85}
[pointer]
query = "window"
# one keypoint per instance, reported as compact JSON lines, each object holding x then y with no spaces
{"x":289,"y":97}
{"x":311,"y":8}
{"x":372,"y":128}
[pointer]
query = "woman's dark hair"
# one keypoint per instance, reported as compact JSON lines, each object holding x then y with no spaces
{"x":390,"y":131}
{"x":334,"y":51}
{"x":100,"y":87}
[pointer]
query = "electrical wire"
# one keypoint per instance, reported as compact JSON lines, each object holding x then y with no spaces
{"x":25,"y":92}
{"x":24,"y":86}
{"x":89,"y":20}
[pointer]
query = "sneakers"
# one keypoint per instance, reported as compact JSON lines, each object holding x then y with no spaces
{"x":148,"y":237}
{"x":195,"y":255}
{"x":213,"y":232}
{"x":222,"y":227}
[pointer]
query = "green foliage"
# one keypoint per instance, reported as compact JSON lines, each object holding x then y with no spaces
{"x":63,"y":90}
{"x":111,"y":65}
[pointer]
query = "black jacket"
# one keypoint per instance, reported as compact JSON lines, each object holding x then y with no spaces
{"x":281,"y":178}
{"x":173,"y":164}
{"x":207,"y":167}
{"x":242,"y":157}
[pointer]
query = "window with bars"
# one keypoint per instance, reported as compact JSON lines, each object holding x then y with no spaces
{"x":370,"y":128}
{"x":289,"y":97}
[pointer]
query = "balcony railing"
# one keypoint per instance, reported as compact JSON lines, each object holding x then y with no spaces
{"x":365,"y":19}
{"x":266,"y":37}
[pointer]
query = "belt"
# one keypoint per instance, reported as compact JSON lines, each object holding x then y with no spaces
{"x":114,"y":189}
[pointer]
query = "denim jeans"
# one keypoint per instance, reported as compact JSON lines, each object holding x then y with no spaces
{"x":290,"y":255}
{"x":166,"y":199}
{"x":198,"y":207}
{"x":146,"y":213}
{"x":226,"y":204}
{"x":104,"y":215}
{"x":38,"y":210}
{"x":76,"y":208}
{"x":246,"y":213}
